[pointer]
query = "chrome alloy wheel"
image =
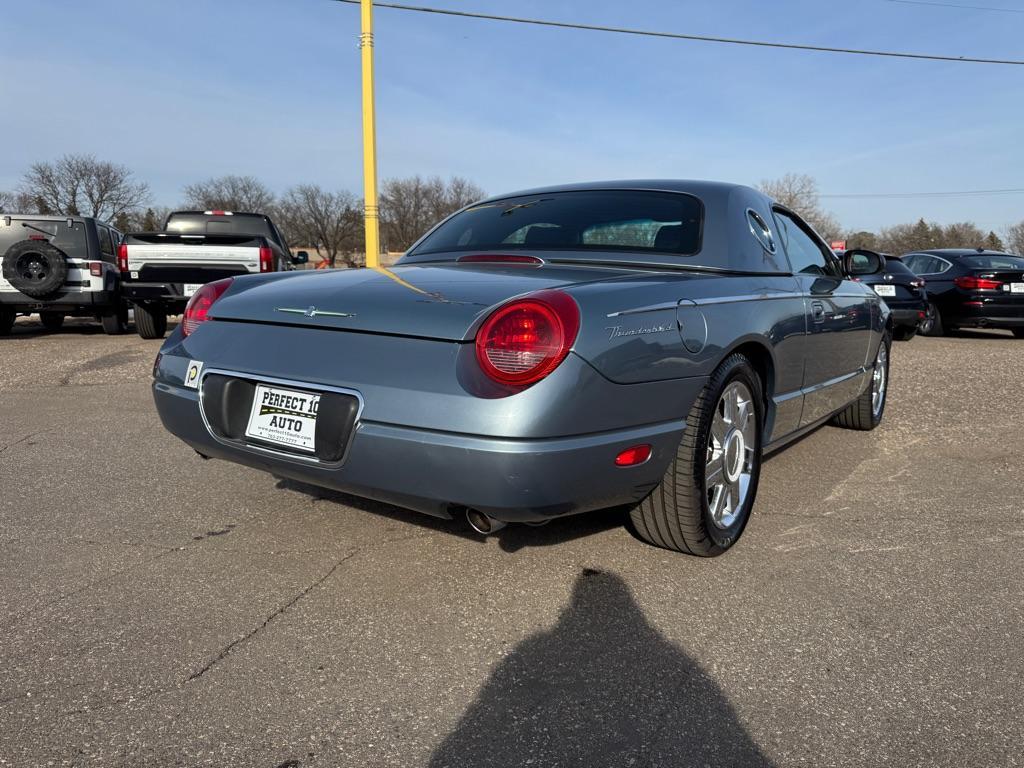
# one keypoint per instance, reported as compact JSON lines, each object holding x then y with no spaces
{"x":730,"y":454}
{"x":879,"y":380}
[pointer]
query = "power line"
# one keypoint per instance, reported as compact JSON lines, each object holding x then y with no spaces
{"x":957,"y":5}
{"x":681,"y":36}
{"x":890,"y":195}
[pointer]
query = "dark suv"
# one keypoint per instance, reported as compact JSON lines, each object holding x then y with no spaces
{"x":971,"y":288}
{"x":59,"y":266}
{"x":904,"y":293}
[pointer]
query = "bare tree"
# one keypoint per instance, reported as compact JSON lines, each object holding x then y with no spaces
{"x":799,"y":192}
{"x":230,"y":193}
{"x":150,"y":220}
{"x":410,"y":206}
{"x":330,"y":222}
{"x":81,"y":185}
{"x":8,"y":202}
{"x":1015,"y":238}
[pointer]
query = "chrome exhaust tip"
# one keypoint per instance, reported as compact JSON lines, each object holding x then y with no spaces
{"x":483,"y":524}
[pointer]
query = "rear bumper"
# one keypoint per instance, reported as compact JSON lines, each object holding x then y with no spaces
{"x":907,"y":317}
{"x":165,"y":293}
{"x":66,"y":301}
{"x":989,"y":315}
{"x":432,"y":471}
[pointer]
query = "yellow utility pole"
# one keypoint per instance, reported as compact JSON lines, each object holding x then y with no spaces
{"x":369,"y":139}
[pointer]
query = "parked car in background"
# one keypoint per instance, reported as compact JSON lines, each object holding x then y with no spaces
{"x":542,"y":354}
{"x":971,"y":289}
{"x":160,"y":271}
{"x":905,"y":294}
{"x":59,"y":266}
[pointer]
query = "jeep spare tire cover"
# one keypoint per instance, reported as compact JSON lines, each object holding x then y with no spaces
{"x":35,"y":267}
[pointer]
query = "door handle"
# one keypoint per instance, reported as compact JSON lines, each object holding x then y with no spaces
{"x":818,"y":311}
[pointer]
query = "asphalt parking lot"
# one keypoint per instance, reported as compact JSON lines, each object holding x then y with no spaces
{"x":164,"y":610}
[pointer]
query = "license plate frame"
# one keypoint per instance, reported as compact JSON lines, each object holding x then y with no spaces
{"x":886,"y":291}
{"x":1017,"y":288}
{"x":283,"y":418}
{"x":188,"y":289}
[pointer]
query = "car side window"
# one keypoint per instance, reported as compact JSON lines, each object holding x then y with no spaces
{"x":806,"y":256}
{"x":106,"y":244}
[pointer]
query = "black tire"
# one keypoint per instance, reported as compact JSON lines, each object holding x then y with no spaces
{"x":904,"y":333}
{"x":35,"y":267}
{"x":676,"y":514}
{"x":861,"y":413}
{"x":932,"y":324}
{"x":52,"y":321}
{"x":7,"y":317}
{"x":115,"y":322}
{"x":1018,"y":332}
{"x":150,"y":321}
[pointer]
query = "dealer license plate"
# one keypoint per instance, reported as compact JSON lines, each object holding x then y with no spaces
{"x":1016,"y":287}
{"x":189,"y":288}
{"x":284,"y":417}
{"x":885,"y":290}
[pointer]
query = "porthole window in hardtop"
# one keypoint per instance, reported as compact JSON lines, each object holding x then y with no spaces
{"x":761,"y":231}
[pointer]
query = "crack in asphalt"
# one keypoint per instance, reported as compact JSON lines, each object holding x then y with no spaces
{"x":266,"y":622}
{"x":21,"y":440}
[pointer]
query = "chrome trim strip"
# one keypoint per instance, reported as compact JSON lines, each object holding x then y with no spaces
{"x":748,"y":297}
{"x":638,"y":310}
{"x":837,"y":380}
{"x":305,"y":385}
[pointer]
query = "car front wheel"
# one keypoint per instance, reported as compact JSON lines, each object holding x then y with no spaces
{"x":704,"y":500}
{"x":865,"y":413}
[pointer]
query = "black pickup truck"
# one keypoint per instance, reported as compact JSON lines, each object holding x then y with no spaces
{"x":161,"y":270}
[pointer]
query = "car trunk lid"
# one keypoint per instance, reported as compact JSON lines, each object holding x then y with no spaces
{"x":441,"y":301}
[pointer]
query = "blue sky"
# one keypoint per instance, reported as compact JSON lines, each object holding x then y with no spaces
{"x":183,"y":90}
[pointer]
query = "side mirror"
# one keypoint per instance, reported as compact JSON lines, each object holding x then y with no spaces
{"x":300,"y":257}
{"x":861,"y":261}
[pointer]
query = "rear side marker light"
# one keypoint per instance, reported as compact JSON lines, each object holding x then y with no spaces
{"x":974,"y":303}
{"x":630,"y":457}
{"x":198,"y":308}
{"x":972,"y":283}
{"x":526,"y":339}
{"x":122,"y":257}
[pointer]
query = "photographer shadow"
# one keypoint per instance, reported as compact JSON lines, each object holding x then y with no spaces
{"x":601,"y":688}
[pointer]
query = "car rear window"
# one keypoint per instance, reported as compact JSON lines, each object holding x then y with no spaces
{"x":993,"y":262}
{"x":661,"y":222}
{"x":71,"y":240}
{"x":208,"y":224}
{"x":895,"y":267}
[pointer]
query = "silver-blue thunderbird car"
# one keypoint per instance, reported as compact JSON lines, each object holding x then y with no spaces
{"x":545,"y":353}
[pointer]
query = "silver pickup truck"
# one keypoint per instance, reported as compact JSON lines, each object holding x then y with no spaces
{"x":160,"y":271}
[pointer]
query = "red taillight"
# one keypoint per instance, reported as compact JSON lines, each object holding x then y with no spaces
{"x":122,"y":257}
{"x":972,"y":283}
{"x":525,"y":340}
{"x":266,"y":259}
{"x":630,"y":457}
{"x":198,"y":307}
{"x":96,"y":269}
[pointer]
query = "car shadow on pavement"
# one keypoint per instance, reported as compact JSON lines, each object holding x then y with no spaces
{"x":601,"y":688}
{"x":510,"y":539}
